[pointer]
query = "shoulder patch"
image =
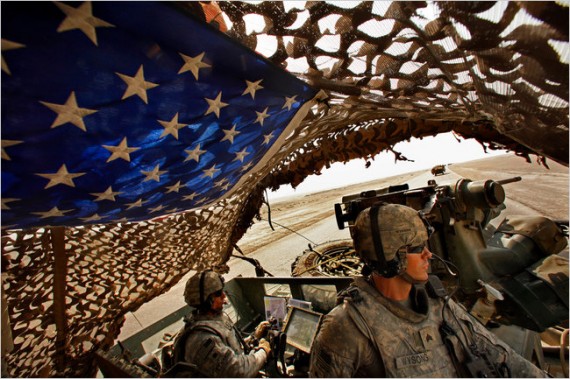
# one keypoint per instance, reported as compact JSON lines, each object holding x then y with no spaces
{"x":204,"y":349}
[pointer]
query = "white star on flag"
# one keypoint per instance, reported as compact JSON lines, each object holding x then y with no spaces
{"x":261,"y":116}
{"x":252,"y":87}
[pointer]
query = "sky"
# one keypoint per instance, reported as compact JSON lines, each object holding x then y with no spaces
{"x":427,"y":152}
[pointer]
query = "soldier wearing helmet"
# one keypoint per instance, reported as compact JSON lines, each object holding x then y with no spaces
{"x":209,"y":344}
{"x":392,"y":322}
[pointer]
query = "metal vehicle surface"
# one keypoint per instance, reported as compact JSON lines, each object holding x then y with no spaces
{"x":483,"y":258}
{"x":246,"y":308}
{"x":495,"y":272}
{"x":499,"y":274}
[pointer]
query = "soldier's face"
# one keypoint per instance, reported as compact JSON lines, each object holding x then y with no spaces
{"x":218,"y":301}
{"x":418,"y":264}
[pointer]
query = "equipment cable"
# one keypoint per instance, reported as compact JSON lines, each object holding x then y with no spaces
{"x":266,"y":202}
{"x":448,"y":297}
{"x":291,"y":230}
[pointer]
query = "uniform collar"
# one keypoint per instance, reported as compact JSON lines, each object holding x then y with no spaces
{"x":221,"y":317}
{"x":418,"y":295}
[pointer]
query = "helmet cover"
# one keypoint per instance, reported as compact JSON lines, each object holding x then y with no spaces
{"x":212,"y":282}
{"x":398,"y":225}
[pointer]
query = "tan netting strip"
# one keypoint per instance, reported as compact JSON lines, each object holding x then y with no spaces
{"x":463,"y":61}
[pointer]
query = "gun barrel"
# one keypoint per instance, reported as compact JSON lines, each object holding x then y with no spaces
{"x":510,"y":180}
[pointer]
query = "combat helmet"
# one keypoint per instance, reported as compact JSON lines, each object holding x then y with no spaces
{"x":200,"y":286}
{"x":382,"y":232}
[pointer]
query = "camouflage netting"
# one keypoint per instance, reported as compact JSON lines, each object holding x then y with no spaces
{"x":496,"y":72}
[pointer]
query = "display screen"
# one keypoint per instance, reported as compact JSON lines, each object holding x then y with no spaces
{"x":301,"y":328}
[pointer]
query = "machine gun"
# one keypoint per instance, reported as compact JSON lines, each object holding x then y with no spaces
{"x":512,"y":275}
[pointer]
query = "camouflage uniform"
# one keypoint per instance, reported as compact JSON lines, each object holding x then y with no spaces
{"x":409,"y":342}
{"x":214,"y":346}
{"x":209,"y":342}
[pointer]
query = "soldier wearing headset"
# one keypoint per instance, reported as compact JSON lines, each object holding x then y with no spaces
{"x":210,"y":345}
{"x":389,"y":323}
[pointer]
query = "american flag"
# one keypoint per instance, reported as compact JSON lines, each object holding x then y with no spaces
{"x":125,"y":111}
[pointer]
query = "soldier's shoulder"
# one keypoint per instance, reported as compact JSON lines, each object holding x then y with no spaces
{"x":204,"y":329}
{"x":334,"y":325}
{"x":352,"y":293}
{"x":201,"y":341}
{"x":457,"y":308}
{"x":346,"y":298}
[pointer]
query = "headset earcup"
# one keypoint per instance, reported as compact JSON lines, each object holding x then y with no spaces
{"x":392,"y":268}
{"x":396,"y":266}
{"x":402,"y":262}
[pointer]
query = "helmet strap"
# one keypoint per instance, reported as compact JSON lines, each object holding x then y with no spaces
{"x":202,"y":276}
{"x":378,"y":250}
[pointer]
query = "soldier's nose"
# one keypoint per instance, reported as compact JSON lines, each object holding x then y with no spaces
{"x":426,"y":253}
